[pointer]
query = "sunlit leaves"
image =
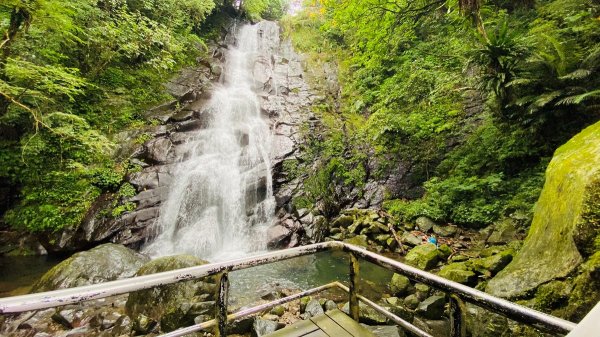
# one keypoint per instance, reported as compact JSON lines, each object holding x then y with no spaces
{"x":42,"y":82}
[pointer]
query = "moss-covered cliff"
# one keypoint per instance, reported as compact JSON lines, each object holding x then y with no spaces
{"x":564,"y":232}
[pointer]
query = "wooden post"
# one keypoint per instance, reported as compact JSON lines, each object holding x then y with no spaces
{"x":221,"y":297}
{"x":354,"y":279}
{"x":458,"y":326}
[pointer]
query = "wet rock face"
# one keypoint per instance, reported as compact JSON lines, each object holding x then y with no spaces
{"x":104,"y":263}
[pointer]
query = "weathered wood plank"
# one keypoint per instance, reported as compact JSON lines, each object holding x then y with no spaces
{"x":296,"y":330}
{"x":330,"y":327}
{"x":348,"y":324}
{"x":318,"y":333}
{"x":333,"y":323}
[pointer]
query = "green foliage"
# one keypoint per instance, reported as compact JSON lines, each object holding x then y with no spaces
{"x":59,"y":199}
{"x":320,"y":187}
{"x":255,"y":10}
{"x":72,"y":73}
{"x":474,"y":107}
{"x":498,"y":56}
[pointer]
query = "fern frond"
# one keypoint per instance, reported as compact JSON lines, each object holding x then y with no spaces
{"x":578,"y":99}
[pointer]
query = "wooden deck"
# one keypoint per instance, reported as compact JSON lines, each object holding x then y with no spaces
{"x":333,"y":323}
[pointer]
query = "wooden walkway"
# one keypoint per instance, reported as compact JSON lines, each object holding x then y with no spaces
{"x":333,"y":323}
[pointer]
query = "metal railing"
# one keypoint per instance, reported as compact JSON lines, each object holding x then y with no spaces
{"x":458,"y":293}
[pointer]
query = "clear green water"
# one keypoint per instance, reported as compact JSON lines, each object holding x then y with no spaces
{"x":18,"y":273}
{"x":304,"y":273}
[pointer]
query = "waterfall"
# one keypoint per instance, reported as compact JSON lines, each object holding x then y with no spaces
{"x":221,"y":201}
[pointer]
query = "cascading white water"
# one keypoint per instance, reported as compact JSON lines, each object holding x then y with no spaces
{"x":221,"y":201}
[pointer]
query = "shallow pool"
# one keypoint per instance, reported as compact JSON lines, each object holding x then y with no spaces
{"x":19,"y":273}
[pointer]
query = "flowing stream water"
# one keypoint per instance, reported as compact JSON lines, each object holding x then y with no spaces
{"x":222,"y":201}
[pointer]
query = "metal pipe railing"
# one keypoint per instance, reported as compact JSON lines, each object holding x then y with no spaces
{"x":249,"y":311}
{"x":506,"y":308}
{"x":401,"y":322}
{"x":457,"y":292}
{"x":57,"y":298}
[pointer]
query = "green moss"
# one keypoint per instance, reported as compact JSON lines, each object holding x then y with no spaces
{"x":587,"y":229}
{"x":571,"y":176}
{"x":291,"y":168}
{"x":551,"y":295}
{"x":491,"y":265}
{"x":424,"y":256}
{"x":586,"y":290}
{"x":144,"y":137}
{"x":167,"y":304}
{"x":459,"y":272}
{"x":126,"y":207}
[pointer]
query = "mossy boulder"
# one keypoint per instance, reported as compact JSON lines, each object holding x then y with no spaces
{"x":424,"y":256}
{"x":586,"y":290}
{"x":343,"y":221}
{"x":424,"y":223}
{"x":564,"y":219}
{"x":458,"y":272}
{"x":551,"y":295}
{"x":400,"y":285}
{"x":445,"y":230}
{"x":432,"y":307}
{"x":174,"y":305}
{"x":503,"y":231}
{"x":367,"y":315}
{"x":359,"y":240}
{"x":491,"y":265}
{"x":104,"y":263}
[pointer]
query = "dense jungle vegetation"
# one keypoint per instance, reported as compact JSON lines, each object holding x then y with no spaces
{"x":473,"y":95}
{"x":75,"y":72}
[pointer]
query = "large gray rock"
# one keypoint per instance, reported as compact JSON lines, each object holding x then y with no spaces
{"x":175,"y":305}
{"x":104,"y":263}
{"x":157,"y":149}
{"x":424,"y":223}
{"x":278,"y":236}
{"x":313,"y":308}
{"x":263,"y":327}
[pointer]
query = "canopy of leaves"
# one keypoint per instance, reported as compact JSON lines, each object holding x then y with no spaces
{"x":473,"y":95}
{"x":72,"y":72}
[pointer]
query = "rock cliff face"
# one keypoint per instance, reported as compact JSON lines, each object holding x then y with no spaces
{"x":152,"y":151}
{"x":565,"y":229}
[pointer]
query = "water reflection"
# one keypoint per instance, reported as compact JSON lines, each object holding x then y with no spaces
{"x":247,"y":286}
